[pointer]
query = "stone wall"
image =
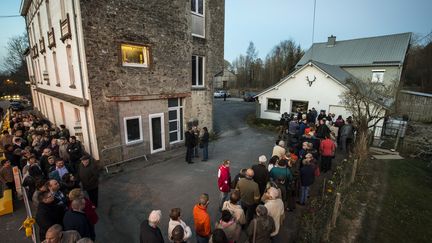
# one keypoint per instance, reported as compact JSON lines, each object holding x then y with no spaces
{"x":165,"y":26}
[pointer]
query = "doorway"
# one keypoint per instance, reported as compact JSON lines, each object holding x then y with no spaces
{"x":175,"y":120}
{"x":157,"y":133}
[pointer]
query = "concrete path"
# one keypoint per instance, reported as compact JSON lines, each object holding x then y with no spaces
{"x":127,"y":198}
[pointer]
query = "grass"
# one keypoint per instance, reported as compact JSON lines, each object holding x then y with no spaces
{"x":406,"y":210}
{"x":267,"y":124}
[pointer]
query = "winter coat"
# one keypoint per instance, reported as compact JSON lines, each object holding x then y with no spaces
{"x":201,"y":220}
{"x":307,"y":175}
{"x":264,"y":227}
{"x":249,"y":191}
{"x":89,"y":176}
{"x":236,"y":211}
{"x":149,"y":234}
{"x":261,"y":176}
{"x":224,"y":179}
{"x":275,"y":208}
{"x":232,"y":229}
{"x":74,"y":220}
{"x":327,"y":148}
{"x":47,"y":215}
{"x":173,"y":223}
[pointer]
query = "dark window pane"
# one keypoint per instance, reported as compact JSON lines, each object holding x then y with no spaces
{"x":194,"y":70}
{"x":173,"y":126}
{"x":172,"y":102}
{"x":200,"y":71}
{"x":200,"y":6}
{"x":156,"y":133}
{"x":133,"y":130}
{"x":193,"y":5}
{"x":302,"y":105}
{"x":172,"y":115}
{"x":173,"y":136}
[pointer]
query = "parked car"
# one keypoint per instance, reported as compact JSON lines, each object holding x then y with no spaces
{"x":221,"y":93}
{"x":249,"y":97}
{"x":16,"y":106}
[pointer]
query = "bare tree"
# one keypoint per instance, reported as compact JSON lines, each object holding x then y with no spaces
{"x":15,"y":58}
{"x":369,"y":103}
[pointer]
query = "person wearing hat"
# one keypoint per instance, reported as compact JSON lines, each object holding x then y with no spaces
{"x":261,"y":174}
{"x":63,"y":152}
{"x":88,"y":174}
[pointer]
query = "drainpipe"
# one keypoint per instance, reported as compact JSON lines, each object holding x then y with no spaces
{"x":81,"y":76}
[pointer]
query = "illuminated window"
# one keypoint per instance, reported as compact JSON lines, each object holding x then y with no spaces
{"x":134,"y":55}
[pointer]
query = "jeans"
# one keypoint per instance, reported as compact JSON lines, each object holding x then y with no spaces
{"x":223,"y":196}
{"x":201,"y":239}
{"x":205,"y":151}
{"x":304,"y":194}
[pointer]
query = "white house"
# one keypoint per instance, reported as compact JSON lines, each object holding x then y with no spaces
{"x":321,"y":74}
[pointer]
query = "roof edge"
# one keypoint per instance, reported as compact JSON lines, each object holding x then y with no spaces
{"x":25,"y":5}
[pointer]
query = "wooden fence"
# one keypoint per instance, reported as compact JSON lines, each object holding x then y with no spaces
{"x":418,"y":106}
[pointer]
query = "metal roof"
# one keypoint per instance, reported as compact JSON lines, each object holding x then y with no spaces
{"x":335,"y":71}
{"x":371,"y":51}
{"x":416,"y":93}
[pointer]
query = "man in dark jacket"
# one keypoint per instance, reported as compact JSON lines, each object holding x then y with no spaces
{"x":263,"y":225}
{"x":261,"y":174}
{"x":75,"y":219}
{"x":307,"y":178}
{"x":189,"y":143}
{"x":88,"y":174}
{"x":75,"y":151}
{"x":150,"y":232}
{"x":48,"y":213}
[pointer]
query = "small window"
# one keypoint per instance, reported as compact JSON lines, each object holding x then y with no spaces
{"x":133,"y":132}
{"x":134,"y":55}
{"x":197,"y":71}
{"x":197,"y":6}
{"x":297,"y":106}
{"x":273,"y":104}
{"x":377,"y":76}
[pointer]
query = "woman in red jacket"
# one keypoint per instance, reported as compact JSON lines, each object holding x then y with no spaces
{"x":224,"y":182}
{"x":327,"y":150}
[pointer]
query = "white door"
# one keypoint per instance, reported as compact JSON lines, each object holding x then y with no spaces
{"x":157,"y":133}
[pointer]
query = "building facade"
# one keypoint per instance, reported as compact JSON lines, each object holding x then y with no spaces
{"x":127,"y":77}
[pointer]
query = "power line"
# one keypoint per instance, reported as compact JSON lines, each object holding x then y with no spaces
{"x":9,"y":16}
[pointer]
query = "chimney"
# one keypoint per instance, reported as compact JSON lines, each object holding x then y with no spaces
{"x":331,"y":41}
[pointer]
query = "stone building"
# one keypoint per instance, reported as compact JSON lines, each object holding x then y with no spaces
{"x":127,"y":77}
{"x":224,"y":80}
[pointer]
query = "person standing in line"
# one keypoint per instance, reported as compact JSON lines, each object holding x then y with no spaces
{"x":189,"y":143}
{"x":88,"y":174}
{"x":202,"y":219}
{"x":261,"y":174}
{"x":224,"y":181}
{"x":249,"y":194}
{"x":175,"y":221}
{"x":261,"y":226}
{"x":327,"y":150}
{"x":76,"y":219}
{"x":204,"y":143}
{"x":307,"y":178}
{"x":196,"y":132}
{"x":150,"y":232}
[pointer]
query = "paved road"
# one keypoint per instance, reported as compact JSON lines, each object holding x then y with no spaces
{"x":127,"y":198}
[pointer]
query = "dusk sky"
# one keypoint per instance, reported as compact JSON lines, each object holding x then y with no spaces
{"x":267,"y":22}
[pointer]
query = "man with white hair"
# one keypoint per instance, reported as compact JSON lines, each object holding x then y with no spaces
{"x":261,"y":174}
{"x":150,"y":232}
{"x":275,"y":208}
{"x":279,"y":149}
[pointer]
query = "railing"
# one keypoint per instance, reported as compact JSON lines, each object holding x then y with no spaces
{"x":27,"y":208}
{"x":51,"y":39}
{"x":65,"y":29}
{"x":123,"y":160}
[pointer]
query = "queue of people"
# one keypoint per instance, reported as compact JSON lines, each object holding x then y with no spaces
{"x":60,"y":178}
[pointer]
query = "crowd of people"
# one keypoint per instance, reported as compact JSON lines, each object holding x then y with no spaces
{"x":60,"y":178}
{"x":257,"y":199}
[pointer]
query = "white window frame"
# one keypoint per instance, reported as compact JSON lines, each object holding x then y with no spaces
{"x":141,"y":139}
{"x":146,"y":55}
{"x":196,"y":4}
{"x":378,"y":71}
{"x":161,"y":115}
{"x":180,"y":130}
{"x":197,"y":72}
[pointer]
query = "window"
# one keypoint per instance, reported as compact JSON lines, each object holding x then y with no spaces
{"x":273,"y":104}
{"x":133,"y":129}
{"x":77,"y":115}
{"x":197,"y":71}
{"x":302,"y":105}
{"x":197,"y":6}
{"x":48,"y":13}
{"x":377,"y":76}
{"x":175,"y":119}
{"x":62,"y":9}
{"x":135,"y":55}
{"x":54,"y":55}
{"x":62,"y":112}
